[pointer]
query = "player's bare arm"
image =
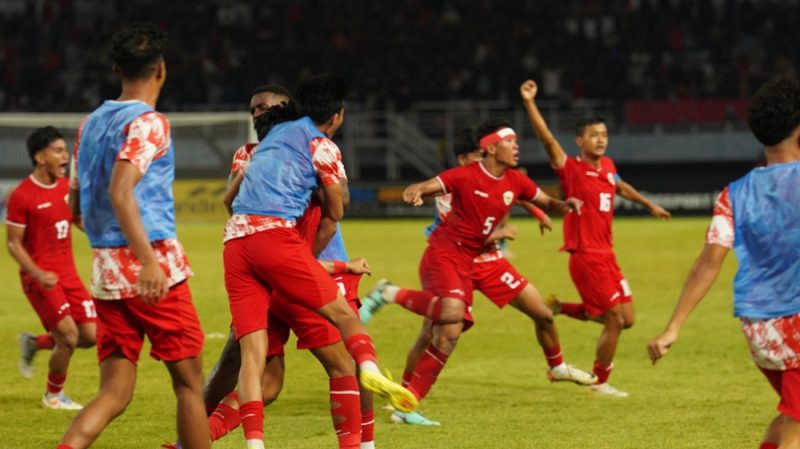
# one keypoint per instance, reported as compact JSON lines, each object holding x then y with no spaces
{"x":234,"y":182}
{"x":629,"y":192}
{"x":553,"y":205}
{"x":701,"y":277}
{"x":74,"y":198}
{"x":14,"y":237}
{"x":506,"y":231}
{"x":354,"y":266}
{"x":414,"y":193}
{"x":332,"y":212}
{"x":545,"y":223}
{"x":555,"y":152}
{"x":152,"y":284}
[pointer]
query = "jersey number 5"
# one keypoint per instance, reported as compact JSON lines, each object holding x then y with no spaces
{"x":487,"y":225}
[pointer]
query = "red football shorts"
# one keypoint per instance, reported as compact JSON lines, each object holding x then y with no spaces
{"x":67,"y":298}
{"x":447,"y":272}
{"x":348,"y":286}
{"x":275,"y":261}
{"x":787,"y":384}
{"x":498,"y":280}
{"x":312,"y":330}
{"x":599,"y":281}
{"x":171,"y":326}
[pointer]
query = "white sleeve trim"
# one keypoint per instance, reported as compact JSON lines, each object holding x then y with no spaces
{"x":538,"y":192}
{"x":444,"y":189}
{"x":13,"y":223}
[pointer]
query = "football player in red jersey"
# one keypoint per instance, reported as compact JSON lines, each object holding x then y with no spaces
{"x":313,"y":331}
{"x":38,"y":225}
{"x":483,"y":192}
{"x":592,"y":178}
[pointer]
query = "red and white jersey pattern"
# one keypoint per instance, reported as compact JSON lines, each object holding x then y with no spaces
{"x":479,"y":203}
{"x":242,"y":156}
{"x":44,"y":213}
{"x":721,"y":230}
{"x":591,"y":230}
{"x":148,"y":139}
{"x":328,"y":165}
{"x":774,"y":343}
{"x":492,"y":252}
{"x":241,"y":225}
{"x":327,"y":161}
{"x":116,"y":270}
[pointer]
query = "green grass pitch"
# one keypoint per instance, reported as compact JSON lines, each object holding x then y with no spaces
{"x":493,"y":392}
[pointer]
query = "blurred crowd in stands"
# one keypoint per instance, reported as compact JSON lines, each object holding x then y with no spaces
{"x":397,"y":52}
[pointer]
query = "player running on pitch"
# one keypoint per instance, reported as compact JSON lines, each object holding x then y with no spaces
{"x":483,"y":193}
{"x":39,"y":223}
{"x":592,"y":178}
{"x":467,"y":151}
{"x":757,"y":216}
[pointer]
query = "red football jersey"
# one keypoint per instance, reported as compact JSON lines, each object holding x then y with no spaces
{"x":44,"y":213}
{"x":480,"y":202}
{"x":591,"y":230}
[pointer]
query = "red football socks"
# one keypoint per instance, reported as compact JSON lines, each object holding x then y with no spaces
{"x":55,"y":383}
{"x":361,"y":348}
{"x":45,"y":341}
{"x":223,"y":419}
{"x":407,"y":375}
{"x":367,"y":426}
{"x":421,"y":302}
{"x":64,"y":446}
{"x":252,"y":414}
{"x":768,"y":446}
{"x":428,"y":367}
{"x":346,"y":411}
{"x":553,"y":356}
{"x":602,"y":371}
{"x":573,"y":310}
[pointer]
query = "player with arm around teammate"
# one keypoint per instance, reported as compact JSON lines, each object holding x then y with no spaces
{"x":38,"y":225}
{"x":286,"y":167}
{"x":354,"y":426}
{"x":757,"y":216}
{"x":592,"y":178}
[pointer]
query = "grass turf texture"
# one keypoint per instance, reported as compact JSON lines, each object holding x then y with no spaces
{"x":493,"y":392}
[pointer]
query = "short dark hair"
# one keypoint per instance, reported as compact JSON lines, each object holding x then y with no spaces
{"x":465,"y":142}
{"x":321,"y":97}
{"x":39,"y":139}
{"x":580,"y":127}
{"x":283,"y":112}
{"x":137,"y":50}
{"x":276,"y":89}
{"x":490,"y":126}
{"x":774,"y":112}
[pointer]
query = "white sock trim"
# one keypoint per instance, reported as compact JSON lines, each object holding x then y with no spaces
{"x":390,"y":293}
{"x":369,"y":365}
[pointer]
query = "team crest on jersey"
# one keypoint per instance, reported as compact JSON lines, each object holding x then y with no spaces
{"x":508,"y":197}
{"x":612,"y":179}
